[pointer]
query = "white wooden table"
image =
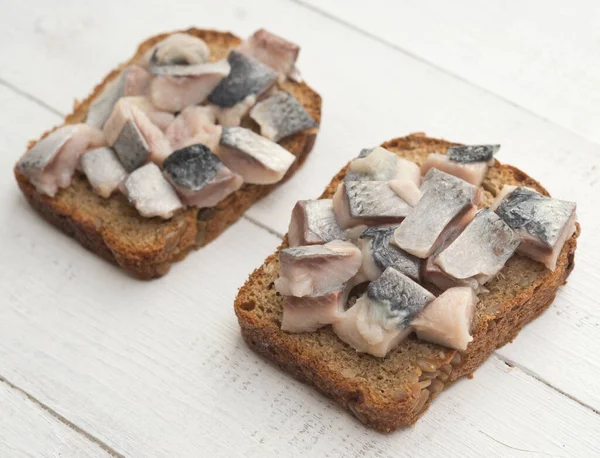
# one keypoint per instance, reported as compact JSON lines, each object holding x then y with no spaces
{"x":94,"y":363}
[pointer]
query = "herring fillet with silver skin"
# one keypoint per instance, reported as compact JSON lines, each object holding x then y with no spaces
{"x":51,"y":163}
{"x":481,"y":250}
{"x":200,"y":177}
{"x":247,"y":77}
{"x":257,"y":159}
{"x":379,"y":254}
{"x":379,"y":164}
{"x":368,"y":202}
{"x":315,"y":269}
{"x":448,"y":319}
{"x":102,"y":106}
{"x":469,"y":163}
{"x":103,"y":170}
{"x":180,"y":49}
{"x":178,"y":86}
{"x":445,"y":200}
{"x":309,"y":313}
{"x":134,"y":137}
{"x":272,"y":50}
{"x":380,"y":318}
{"x":313,"y":223}
{"x":544,"y":224}
{"x":151,"y":193}
{"x":280,"y":116}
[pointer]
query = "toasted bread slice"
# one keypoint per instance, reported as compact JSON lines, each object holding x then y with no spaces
{"x":146,"y":248}
{"x":385,"y":393}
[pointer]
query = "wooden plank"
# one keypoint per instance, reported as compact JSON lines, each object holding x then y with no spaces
{"x":28,"y":430}
{"x":159,"y":368}
{"x":539,"y":55}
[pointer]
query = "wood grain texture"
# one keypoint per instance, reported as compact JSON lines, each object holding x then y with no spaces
{"x":540,"y":55}
{"x":161,"y":370}
{"x":27,"y":430}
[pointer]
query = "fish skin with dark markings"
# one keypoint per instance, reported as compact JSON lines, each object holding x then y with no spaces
{"x":542,"y":217}
{"x":247,"y":77}
{"x":387,"y":255}
{"x":481,"y":250}
{"x":313,"y":222}
{"x":131,"y":147}
{"x":472,"y":153}
{"x":280,"y":116}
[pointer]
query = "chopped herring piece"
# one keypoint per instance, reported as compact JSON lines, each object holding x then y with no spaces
{"x":447,"y":320}
{"x":468,"y":154}
{"x":180,"y":86}
{"x":52,"y":161}
{"x":469,"y":163}
{"x":160,"y":118}
{"x":151,"y":193}
{"x":134,"y":137}
{"x":232,"y":116}
{"x":103,"y":170}
{"x":271,"y":50}
{"x":380,"y":318}
{"x":194,"y":125}
{"x":473,"y":173}
{"x":407,"y":190}
{"x":313,"y":223}
{"x":137,"y":81}
{"x":199,"y":176}
{"x":481,"y":250}
{"x":247,"y":77}
{"x":379,"y":254}
{"x":315,"y":269}
{"x":280,"y":116}
{"x":180,"y":49}
{"x":544,"y":224}
{"x":368,"y":202}
{"x":446,"y":200}
{"x":379,"y":164}
{"x":433,"y":274}
{"x":257,"y":159}
{"x":309,"y":313}
{"x":102,"y":105}
{"x":506,"y":190}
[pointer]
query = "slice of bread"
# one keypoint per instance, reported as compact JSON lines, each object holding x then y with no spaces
{"x":386,"y":393}
{"x":146,"y":248}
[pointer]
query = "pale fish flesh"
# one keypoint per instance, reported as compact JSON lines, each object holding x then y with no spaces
{"x":481,"y":250}
{"x":544,"y":224}
{"x":178,"y":86}
{"x":271,"y":50}
{"x":134,"y":137}
{"x":180,"y":49}
{"x":448,"y":319}
{"x":368,"y":202}
{"x":379,"y":164}
{"x":194,"y":125}
{"x":103,"y":170}
{"x":257,"y":159}
{"x":51,"y":163}
{"x":280,"y":116}
{"x":469,"y":163}
{"x":309,"y":313}
{"x":380,"y":318}
{"x":445,"y":200}
{"x":151,"y":193}
{"x":313,"y":223}
{"x":315,"y":269}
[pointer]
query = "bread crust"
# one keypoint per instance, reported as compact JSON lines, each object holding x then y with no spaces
{"x":94,"y":222}
{"x":523,"y":291}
